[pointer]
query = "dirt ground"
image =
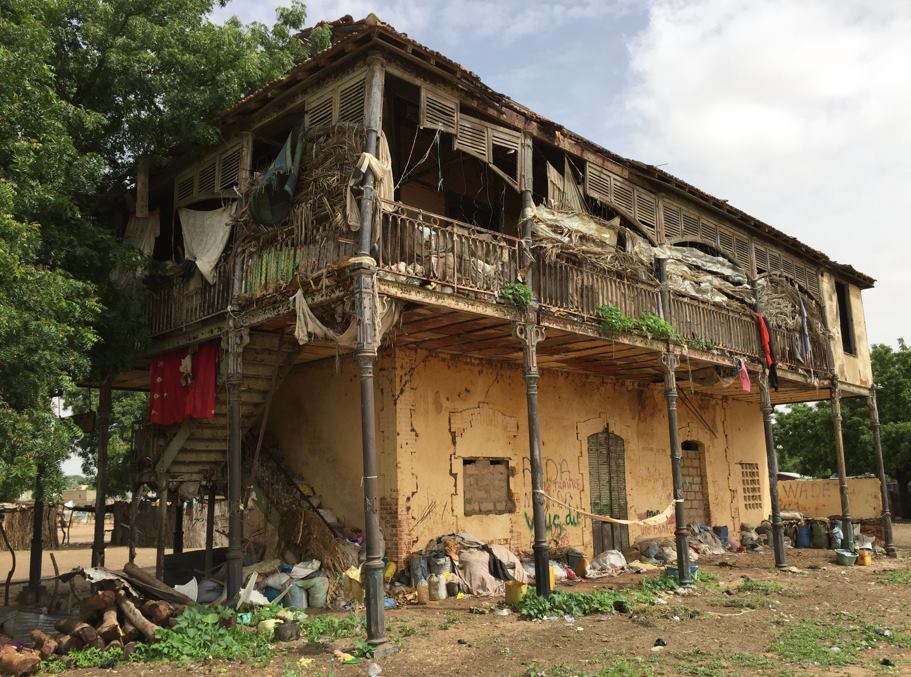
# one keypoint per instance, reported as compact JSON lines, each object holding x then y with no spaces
{"x":789,"y":623}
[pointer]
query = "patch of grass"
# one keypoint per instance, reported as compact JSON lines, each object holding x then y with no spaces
{"x":707,"y":664}
{"x":761,"y":587}
{"x":558,"y":603}
{"x":895,"y":577}
{"x":451,"y":619}
{"x":333,"y":626}
{"x":811,"y":642}
{"x":609,"y":665}
{"x":743,"y":603}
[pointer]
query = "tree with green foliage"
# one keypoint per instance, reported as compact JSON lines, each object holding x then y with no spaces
{"x":804,"y":433}
{"x":86,"y":88}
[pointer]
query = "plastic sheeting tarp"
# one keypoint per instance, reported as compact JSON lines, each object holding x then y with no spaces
{"x":704,"y":276}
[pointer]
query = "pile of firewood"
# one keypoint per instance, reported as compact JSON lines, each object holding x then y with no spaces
{"x":122,"y":612}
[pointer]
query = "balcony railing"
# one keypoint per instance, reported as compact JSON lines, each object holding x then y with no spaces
{"x":182,"y":302}
{"x":427,"y":249}
{"x":424,"y":248}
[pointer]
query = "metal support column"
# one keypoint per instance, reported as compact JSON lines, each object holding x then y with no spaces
{"x":765,"y":405}
{"x":847,"y":527}
{"x":103,"y":426}
{"x":363,"y":270}
{"x":670,"y":360}
{"x":530,"y":334}
{"x":37,"y":553}
{"x":210,"y":529}
{"x":881,"y":471}
{"x":162,"y":527}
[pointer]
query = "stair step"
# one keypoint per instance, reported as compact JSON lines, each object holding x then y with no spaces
{"x":195,"y":444}
{"x":207,"y":431}
{"x":203,"y":457}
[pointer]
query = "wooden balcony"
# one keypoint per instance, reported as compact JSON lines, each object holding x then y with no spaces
{"x":435,"y":253}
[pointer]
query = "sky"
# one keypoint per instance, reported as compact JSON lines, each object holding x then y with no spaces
{"x":796,"y":111}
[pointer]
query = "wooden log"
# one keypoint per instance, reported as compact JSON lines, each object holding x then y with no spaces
{"x":73,"y":626}
{"x":92,"y":605}
{"x":13,"y":662}
{"x":157,"y":611}
{"x":130,"y":633}
{"x":128,"y":648}
{"x":109,"y":629}
{"x":67,"y":643}
{"x":96,"y":643}
{"x":44,"y":644}
{"x":114,"y":644}
{"x":135,"y":617}
{"x":162,"y":591}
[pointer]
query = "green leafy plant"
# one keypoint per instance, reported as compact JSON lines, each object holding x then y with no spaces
{"x":333,"y":627}
{"x":199,"y":634}
{"x":517,"y":294}
{"x":362,"y":649}
{"x":92,"y":657}
{"x":533,"y":607}
{"x":655,"y":327}
{"x":613,"y":320}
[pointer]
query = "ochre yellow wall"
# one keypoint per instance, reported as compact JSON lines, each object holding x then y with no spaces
{"x":316,"y":420}
{"x":450,"y":408}
{"x":821,"y":498}
{"x":852,"y":369}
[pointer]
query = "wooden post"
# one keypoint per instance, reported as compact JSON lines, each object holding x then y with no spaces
{"x":364,"y":273}
{"x":670,"y":360}
{"x":886,"y":516}
{"x":210,"y":529}
{"x":765,"y":405}
{"x":847,"y":527}
{"x":37,"y":553}
{"x":528,"y":210}
{"x":134,"y":513}
{"x":178,"y":524}
{"x":103,"y":426}
{"x":142,"y":188}
{"x":530,"y":334}
{"x":162,"y":527}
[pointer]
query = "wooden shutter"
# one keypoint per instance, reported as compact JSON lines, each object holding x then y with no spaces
{"x":742,"y":251}
{"x":647,"y":209}
{"x":473,"y":137}
{"x":622,"y":194}
{"x":439,"y":112}
{"x":351,"y":98}
{"x":597,"y":182}
{"x":690,"y":226}
{"x":230,"y":168}
{"x":321,"y":112}
{"x":215,"y":175}
{"x":673,"y":228}
{"x":709,"y":232}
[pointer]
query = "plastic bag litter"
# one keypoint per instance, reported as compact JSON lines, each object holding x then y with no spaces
{"x":608,"y":563}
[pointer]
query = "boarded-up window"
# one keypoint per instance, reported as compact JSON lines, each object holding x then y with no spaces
{"x":485,"y":483}
{"x":752,"y":490}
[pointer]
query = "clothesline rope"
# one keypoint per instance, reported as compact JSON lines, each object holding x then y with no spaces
{"x":660,"y":518}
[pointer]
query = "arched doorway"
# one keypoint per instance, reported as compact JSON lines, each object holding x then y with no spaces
{"x":607,"y":483}
{"x":695,"y":495}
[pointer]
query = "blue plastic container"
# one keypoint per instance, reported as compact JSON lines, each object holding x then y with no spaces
{"x":804,"y":536}
{"x":722,"y":534}
{"x":672,"y":571}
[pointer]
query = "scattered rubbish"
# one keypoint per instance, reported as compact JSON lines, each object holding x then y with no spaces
{"x":675,"y":618}
{"x":501,"y":612}
{"x":304,"y":662}
{"x":287,"y":632}
{"x":660,"y":642}
{"x":346,"y":658}
{"x":389,"y":603}
{"x":621,"y":607}
{"x":835,"y":649}
{"x":888,"y":662}
{"x":374,"y":670}
{"x":463,"y":642}
{"x":478,"y":610}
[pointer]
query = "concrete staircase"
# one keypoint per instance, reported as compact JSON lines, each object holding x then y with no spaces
{"x":197,"y":450}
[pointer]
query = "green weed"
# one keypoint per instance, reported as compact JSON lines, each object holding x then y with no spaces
{"x":517,"y":294}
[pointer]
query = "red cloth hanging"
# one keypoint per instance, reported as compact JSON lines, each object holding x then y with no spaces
{"x":172,"y":402}
{"x":201,"y":393}
{"x":167,"y":395}
{"x":766,"y":340}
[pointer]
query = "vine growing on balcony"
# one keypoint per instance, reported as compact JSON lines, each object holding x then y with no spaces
{"x":517,"y":294}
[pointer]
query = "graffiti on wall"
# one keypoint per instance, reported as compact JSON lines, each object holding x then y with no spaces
{"x":652,"y":530}
{"x":566,"y":487}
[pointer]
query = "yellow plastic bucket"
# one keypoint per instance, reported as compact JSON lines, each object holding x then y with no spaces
{"x":389,"y":571}
{"x":515,"y":591}
{"x":864,"y":558}
{"x":550,"y":568}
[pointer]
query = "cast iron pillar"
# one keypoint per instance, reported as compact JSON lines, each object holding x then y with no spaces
{"x":37,"y":553}
{"x":236,"y":338}
{"x":363,"y":271}
{"x":771,"y":453}
{"x":881,"y":470}
{"x":530,"y":334}
{"x":846,"y":526}
{"x":210,"y":529}
{"x":103,"y":426}
{"x":670,"y":360}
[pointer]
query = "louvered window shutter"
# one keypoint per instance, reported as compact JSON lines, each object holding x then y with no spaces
{"x":709,"y":232}
{"x":726,"y":242}
{"x":215,"y":175}
{"x":473,"y":137}
{"x":439,"y":112}
{"x":321,"y":112}
{"x":647,"y":210}
{"x":690,"y":226}
{"x":742,"y":252}
{"x":597,"y":182}
{"x":673,"y":229}
{"x":622,"y":195}
{"x":185,"y":187}
{"x":351,"y":101}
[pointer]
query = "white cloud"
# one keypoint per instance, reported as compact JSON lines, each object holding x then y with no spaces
{"x":796,"y":112}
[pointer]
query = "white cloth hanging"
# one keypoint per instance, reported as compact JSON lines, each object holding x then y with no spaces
{"x":141,"y":233}
{"x":205,"y":235}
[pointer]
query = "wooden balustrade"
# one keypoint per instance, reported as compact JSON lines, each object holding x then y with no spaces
{"x":183,"y":302}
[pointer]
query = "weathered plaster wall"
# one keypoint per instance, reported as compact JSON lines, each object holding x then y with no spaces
{"x":821,"y":498}
{"x":852,"y":369}
{"x":450,"y":408}
{"x":316,"y":421}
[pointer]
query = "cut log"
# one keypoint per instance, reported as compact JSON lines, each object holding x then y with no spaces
{"x":14,"y":662}
{"x":130,"y":633}
{"x":109,"y":629}
{"x":128,"y":648}
{"x":67,"y":643}
{"x":96,"y":643}
{"x":73,"y":626}
{"x":135,"y":617}
{"x":157,"y":611}
{"x":153,"y":586}
{"x":44,"y":644}
{"x":92,"y":605}
{"x":115,"y":644}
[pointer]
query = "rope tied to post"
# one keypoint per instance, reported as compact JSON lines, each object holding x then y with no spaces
{"x":660,"y":518}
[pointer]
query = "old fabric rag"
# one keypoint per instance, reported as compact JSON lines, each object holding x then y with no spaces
{"x":386,"y":313}
{"x":768,"y":350}
{"x":141,"y":233}
{"x":496,"y":566}
{"x":744,"y":376}
{"x":170,"y":401}
{"x":273,"y":193}
{"x":205,"y":235}
{"x":381,"y":167}
{"x":804,"y":328}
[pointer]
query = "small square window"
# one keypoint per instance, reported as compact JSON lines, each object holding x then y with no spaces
{"x":485,"y":484}
{"x":752,"y":489}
